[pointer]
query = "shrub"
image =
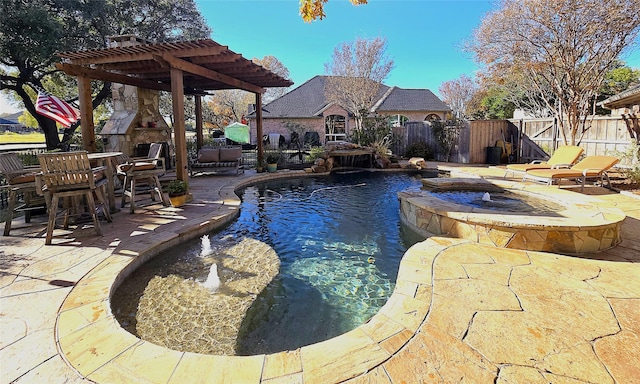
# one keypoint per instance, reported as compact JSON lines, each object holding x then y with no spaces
{"x":177,"y":187}
{"x":315,"y":153}
{"x":420,"y":149}
{"x":630,"y":161}
{"x":273,"y":158}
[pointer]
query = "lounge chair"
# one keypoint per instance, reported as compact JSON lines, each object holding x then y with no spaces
{"x":588,"y":168}
{"x":563,"y":157}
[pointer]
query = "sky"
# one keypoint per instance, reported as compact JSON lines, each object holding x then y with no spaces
{"x":425,"y":38}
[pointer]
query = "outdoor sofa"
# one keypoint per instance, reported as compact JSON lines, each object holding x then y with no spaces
{"x":216,"y":159}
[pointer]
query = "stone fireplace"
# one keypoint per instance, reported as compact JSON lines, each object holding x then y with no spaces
{"x":136,"y":120}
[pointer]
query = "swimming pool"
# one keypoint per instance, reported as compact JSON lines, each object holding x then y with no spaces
{"x":339,"y":241}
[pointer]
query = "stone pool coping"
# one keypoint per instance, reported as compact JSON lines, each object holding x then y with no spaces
{"x":581,"y":227}
{"x":408,"y":340}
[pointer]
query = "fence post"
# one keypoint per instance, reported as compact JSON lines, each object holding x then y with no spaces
{"x":519,"y":152}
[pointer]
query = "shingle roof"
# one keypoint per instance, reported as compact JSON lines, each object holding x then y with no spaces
{"x":624,"y":98}
{"x":308,"y":100}
{"x":400,"y":99}
{"x":4,"y":121}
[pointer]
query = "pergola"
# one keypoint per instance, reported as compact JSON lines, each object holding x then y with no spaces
{"x":182,"y":68}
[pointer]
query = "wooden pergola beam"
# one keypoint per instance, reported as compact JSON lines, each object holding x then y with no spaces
{"x":186,"y":66}
{"x":136,"y":53}
{"x":97,"y":74}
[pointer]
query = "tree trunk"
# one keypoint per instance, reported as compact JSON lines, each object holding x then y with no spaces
{"x":50,"y":132}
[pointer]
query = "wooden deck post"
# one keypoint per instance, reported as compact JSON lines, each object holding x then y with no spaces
{"x":199,"y":133}
{"x":179,"y":135}
{"x":86,"y":114}
{"x":259,"y":127}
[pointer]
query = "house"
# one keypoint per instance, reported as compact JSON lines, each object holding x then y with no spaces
{"x":625,"y":102}
{"x":9,"y":123}
{"x":307,"y":106}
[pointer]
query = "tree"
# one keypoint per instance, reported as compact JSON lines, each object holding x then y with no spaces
{"x":230,"y":105}
{"x":357,"y":71}
{"x":311,"y":10}
{"x":457,"y":94}
{"x":491,"y":103}
{"x":274,"y":65}
{"x":561,"y":51}
{"x":32,"y":31}
{"x":617,"y":80}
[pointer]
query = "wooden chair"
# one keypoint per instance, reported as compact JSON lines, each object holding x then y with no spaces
{"x":148,"y":169}
{"x":69,"y":174}
{"x":20,"y":181}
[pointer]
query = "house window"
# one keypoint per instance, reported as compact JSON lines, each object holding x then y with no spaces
{"x":432,"y":117}
{"x":398,"y":120}
{"x":335,"y":128}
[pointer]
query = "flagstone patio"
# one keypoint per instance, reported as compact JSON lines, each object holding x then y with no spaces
{"x":461,"y":311}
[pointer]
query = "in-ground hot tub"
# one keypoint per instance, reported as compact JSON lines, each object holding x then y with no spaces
{"x":573,"y":224}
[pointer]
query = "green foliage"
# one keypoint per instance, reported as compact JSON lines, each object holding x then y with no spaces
{"x":374,"y":130}
{"x":420,"y":149}
{"x":33,"y":31}
{"x":630,"y":161}
{"x":273,"y":157}
{"x":381,"y":147}
{"x":446,"y":134}
{"x":27,"y":120}
{"x":619,"y":79}
{"x":494,"y":104}
{"x":177,"y":187}
{"x":316,"y":153}
{"x":28,"y":159}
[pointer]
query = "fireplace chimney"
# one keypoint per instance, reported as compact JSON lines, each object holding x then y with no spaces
{"x":136,"y":120}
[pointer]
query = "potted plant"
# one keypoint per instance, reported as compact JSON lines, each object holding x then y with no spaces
{"x":177,"y":190}
{"x":260,"y":166}
{"x":272,"y":162}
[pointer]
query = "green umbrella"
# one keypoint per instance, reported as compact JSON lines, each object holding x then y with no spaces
{"x":237,"y":132}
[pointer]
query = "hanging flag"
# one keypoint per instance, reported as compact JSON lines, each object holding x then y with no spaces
{"x":56,"y":109}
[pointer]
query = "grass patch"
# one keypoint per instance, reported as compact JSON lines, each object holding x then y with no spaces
{"x":22,"y":138}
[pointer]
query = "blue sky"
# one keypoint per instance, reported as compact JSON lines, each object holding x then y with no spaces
{"x":424,"y":37}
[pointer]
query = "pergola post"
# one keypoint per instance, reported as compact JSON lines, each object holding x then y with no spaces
{"x":86,"y":114}
{"x":179,"y":135}
{"x":259,"y":127}
{"x":199,"y":135}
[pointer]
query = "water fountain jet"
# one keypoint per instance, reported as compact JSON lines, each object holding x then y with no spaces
{"x":213,"y":281}
{"x":205,"y":246}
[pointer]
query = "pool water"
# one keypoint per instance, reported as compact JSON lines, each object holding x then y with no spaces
{"x":339,"y":241}
{"x":503,"y":201}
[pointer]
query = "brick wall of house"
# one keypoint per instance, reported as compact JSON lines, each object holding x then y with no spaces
{"x":276,"y":125}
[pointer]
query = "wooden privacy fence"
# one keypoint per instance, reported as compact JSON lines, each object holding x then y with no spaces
{"x":530,"y":138}
{"x":415,"y":132}
{"x":474,"y":138}
{"x":606,"y":135}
